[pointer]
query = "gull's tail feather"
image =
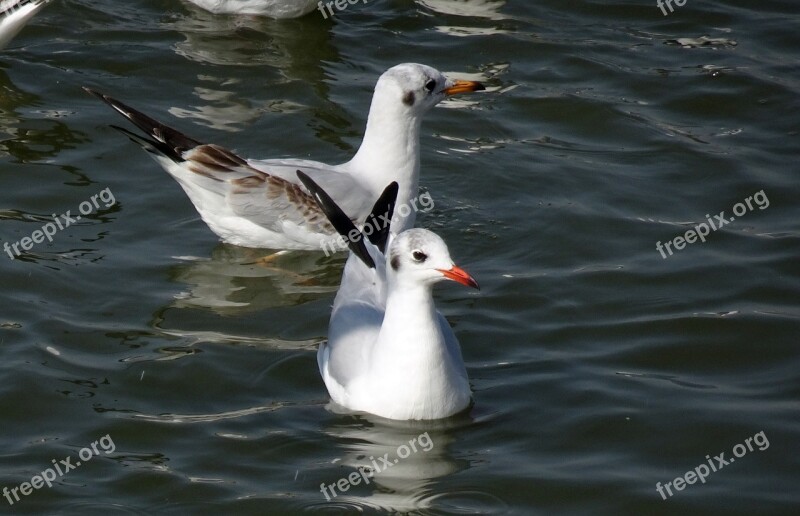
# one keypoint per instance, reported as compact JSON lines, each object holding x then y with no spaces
{"x":150,"y":145}
{"x":168,"y":141}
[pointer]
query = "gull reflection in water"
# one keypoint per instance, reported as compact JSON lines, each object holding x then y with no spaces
{"x":237,"y":280}
{"x":29,"y":134}
{"x":290,"y":56}
{"x":400,"y":479}
{"x":489,"y":9}
{"x":221,"y":109}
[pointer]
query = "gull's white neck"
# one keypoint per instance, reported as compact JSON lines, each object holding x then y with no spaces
{"x":410,"y":361}
{"x":410,"y":321}
{"x":390,"y":152}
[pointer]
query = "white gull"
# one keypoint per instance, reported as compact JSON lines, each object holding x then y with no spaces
{"x":260,"y":203}
{"x":389,"y":351}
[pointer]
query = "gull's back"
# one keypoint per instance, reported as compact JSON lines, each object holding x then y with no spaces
{"x":356,"y":320}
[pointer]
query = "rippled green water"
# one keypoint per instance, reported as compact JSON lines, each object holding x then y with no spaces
{"x":599,"y":368}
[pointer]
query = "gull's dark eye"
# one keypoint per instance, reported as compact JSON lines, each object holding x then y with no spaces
{"x":419,"y":256}
{"x":430,"y":86}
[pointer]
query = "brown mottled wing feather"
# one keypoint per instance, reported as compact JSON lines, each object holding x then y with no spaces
{"x":217,"y":163}
{"x":266,"y":200}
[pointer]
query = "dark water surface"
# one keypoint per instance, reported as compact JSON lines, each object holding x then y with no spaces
{"x":599,"y":368}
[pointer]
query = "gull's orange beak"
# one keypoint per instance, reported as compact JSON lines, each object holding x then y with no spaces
{"x":458,"y":274}
{"x":463,"y":87}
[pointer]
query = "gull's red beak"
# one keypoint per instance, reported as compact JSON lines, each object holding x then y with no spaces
{"x":458,"y":274}
{"x":463,"y":87}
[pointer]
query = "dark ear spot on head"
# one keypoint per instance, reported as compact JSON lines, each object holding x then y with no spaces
{"x":408,"y":98}
{"x":395,"y":262}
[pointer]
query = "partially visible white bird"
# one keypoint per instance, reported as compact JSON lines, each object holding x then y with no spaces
{"x":14,"y":14}
{"x":389,"y":352}
{"x":271,"y":8}
{"x":255,"y":203}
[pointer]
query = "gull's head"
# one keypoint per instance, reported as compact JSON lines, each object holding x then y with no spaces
{"x":420,"y":257}
{"x":416,"y":88}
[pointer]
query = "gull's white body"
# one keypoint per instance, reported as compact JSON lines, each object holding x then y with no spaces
{"x":240,"y":201}
{"x":250,"y":218}
{"x":389,"y":352}
{"x":271,"y":8}
{"x":16,"y":13}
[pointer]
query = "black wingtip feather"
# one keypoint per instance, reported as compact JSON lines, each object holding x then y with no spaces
{"x":173,"y":142}
{"x":381,"y":216}
{"x":150,"y":145}
{"x":340,"y":221}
